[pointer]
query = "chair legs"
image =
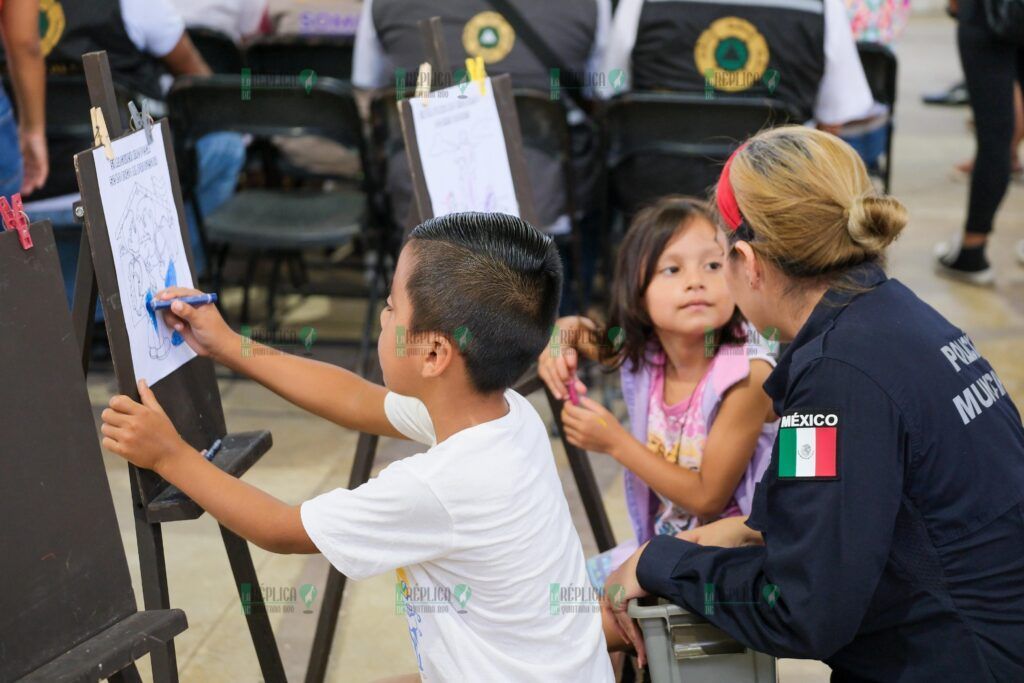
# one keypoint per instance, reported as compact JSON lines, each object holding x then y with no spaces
{"x":275,"y":277}
{"x":250,"y":273}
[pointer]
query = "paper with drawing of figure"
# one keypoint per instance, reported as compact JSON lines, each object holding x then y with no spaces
{"x":462,"y":149}
{"x":145,"y":237}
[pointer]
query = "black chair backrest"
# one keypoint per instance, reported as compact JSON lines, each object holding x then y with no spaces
{"x":675,"y":143}
{"x":879,"y":64}
{"x":262,"y":107}
{"x":219,"y":51}
{"x":329,"y":56}
{"x":202,"y":105}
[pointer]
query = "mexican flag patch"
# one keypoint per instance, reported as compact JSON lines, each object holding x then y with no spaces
{"x":807,"y":446}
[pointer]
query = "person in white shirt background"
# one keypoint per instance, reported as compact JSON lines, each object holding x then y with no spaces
{"x":237,"y":19}
{"x":808,"y":44}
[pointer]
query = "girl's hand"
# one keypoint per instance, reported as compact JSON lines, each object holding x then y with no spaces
{"x":731,"y":532}
{"x":202,"y":327}
{"x":621,"y":587}
{"x":141,"y":432}
{"x":557,"y":363}
{"x":591,"y":427}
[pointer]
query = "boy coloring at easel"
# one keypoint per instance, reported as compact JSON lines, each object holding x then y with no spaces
{"x":482,"y":509}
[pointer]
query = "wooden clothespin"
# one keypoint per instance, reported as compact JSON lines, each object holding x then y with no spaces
{"x":423,"y":82}
{"x":143,"y":120}
{"x":15,"y":219}
{"x":99,"y":132}
{"x":477,"y":72}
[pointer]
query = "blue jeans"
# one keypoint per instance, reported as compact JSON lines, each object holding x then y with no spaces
{"x":869,"y":145}
{"x":10,"y":152}
{"x":220,"y":155}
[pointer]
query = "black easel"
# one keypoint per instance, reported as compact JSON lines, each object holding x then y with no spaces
{"x":189,"y":395}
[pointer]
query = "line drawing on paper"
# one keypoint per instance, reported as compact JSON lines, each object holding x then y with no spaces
{"x":462,"y":151}
{"x":144,"y":234}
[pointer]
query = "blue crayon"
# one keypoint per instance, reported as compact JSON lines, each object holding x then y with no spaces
{"x":212,"y":450}
{"x":197,"y":300}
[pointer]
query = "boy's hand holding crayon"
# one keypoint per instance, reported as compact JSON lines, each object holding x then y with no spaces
{"x":141,"y":432}
{"x":202,"y":327}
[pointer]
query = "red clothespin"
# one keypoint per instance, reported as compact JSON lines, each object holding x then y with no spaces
{"x":15,"y":219}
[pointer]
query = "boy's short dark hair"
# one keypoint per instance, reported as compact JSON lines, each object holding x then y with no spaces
{"x":491,"y":281}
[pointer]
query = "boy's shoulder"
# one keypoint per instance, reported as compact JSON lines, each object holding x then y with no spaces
{"x":484,"y":454}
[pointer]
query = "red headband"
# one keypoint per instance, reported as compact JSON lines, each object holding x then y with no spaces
{"x":725,"y":197}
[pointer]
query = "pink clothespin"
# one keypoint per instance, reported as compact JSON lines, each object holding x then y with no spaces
{"x":15,"y":219}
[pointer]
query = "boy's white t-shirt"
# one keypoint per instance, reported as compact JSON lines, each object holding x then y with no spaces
{"x":490,"y":570}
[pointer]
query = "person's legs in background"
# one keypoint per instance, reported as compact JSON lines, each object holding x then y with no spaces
{"x":10,"y":160}
{"x":570,"y":304}
{"x":990,"y":70}
{"x":220,"y":159}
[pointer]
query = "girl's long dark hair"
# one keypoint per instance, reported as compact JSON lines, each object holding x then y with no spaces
{"x":648,"y":235}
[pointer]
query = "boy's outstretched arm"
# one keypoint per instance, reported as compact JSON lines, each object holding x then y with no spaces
{"x":333,"y":393}
{"x":143,"y":434}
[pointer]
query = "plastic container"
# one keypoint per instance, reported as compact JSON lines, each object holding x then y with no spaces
{"x":683,"y":647}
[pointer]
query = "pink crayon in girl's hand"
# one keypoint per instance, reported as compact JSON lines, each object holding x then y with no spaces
{"x":573,"y":396}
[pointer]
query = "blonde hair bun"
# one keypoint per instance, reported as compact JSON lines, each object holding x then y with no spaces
{"x":810,"y":203}
{"x":875,"y":222}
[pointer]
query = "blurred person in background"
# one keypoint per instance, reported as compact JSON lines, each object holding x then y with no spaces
{"x":991,"y":68}
{"x":23,"y":161}
{"x":237,"y":19}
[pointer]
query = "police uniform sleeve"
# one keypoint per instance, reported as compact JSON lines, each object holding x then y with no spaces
{"x":827,"y":538}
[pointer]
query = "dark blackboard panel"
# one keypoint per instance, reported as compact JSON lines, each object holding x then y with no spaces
{"x":63,"y":575}
{"x":189,"y":395}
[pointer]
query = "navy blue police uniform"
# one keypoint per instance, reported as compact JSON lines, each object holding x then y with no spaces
{"x":907,"y":562}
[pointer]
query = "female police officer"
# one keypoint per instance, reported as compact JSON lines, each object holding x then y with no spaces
{"x":887,"y":536}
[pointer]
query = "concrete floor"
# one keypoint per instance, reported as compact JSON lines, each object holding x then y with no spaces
{"x":311,"y":456}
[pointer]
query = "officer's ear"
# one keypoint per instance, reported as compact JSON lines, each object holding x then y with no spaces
{"x":748,"y":265}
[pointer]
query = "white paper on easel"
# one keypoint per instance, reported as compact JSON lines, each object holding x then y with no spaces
{"x":145,"y":237}
{"x":462,"y":149}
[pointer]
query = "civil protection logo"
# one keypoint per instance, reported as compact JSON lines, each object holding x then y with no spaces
{"x":488,"y":35}
{"x":734,"y":52}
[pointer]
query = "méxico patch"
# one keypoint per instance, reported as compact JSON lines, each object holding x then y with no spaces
{"x":808,"y":445}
